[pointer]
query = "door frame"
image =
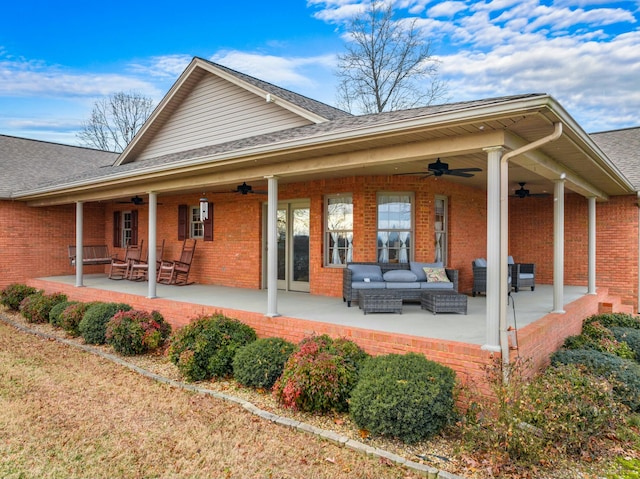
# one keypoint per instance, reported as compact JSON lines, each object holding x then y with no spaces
{"x":288,"y":284}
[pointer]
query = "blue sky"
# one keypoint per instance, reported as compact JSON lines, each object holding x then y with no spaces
{"x":58,"y":58}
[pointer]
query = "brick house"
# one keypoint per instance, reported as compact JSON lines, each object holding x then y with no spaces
{"x":327,"y":187}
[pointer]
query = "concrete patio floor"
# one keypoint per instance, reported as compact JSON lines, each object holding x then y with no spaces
{"x":525,"y":307}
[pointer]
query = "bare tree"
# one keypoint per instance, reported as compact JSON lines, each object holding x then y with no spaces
{"x":115,"y":120}
{"x":388,"y":65}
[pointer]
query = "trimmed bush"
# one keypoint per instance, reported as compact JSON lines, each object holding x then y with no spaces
{"x":574,"y":408}
{"x":93,"y":326}
{"x":36,"y":307}
{"x":56,"y":311}
{"x":623,"y":373}
{"x":205,"y":348}
{"x":610,"y":320}
{"x":137,"y":332}
{"x":600,"y":338}
{"x":71,"y":316}
{"x":320,"y":376}
{"x":403,"y":396}
{"x":629,"y":336}
{"x":12,"y":295}
{"x":260,"y":363}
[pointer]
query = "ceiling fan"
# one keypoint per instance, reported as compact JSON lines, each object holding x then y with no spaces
{"x":438,"y":168}
{"x":524,"y":193}
{"x":245,"y":189}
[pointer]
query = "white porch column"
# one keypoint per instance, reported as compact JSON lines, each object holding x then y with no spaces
{"x":152,"y":242}
{"x":493,"y":250}
{"x":592,"y":245}
{"x":558,"y":245}
{"x":272,"y":247}
{"x":79,"y":242}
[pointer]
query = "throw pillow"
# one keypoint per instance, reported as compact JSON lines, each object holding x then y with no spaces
{"x":399,"y":276}
{"x":436,"y":275}
{"x":418,"y":268}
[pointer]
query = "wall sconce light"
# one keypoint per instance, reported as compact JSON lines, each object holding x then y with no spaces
{"x":204,"y":209}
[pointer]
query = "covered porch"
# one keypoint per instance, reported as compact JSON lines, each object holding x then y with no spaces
{"x":452,"y":339}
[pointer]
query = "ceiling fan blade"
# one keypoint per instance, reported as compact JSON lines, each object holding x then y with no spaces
{"x":466,"y":170}
{"x":461,"y":174}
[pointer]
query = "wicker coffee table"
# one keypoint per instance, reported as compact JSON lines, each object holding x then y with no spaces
{"x":443,"y":302}
{"x":379,"y":301}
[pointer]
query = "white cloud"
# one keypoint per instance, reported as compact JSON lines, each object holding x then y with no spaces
{"x":168,"y":66}
{"x":446,"y":9}
{"x":19,"y":77}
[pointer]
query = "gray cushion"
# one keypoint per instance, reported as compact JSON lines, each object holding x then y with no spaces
{"x":525,"y":276}
{"x":396,"y":285}
{"x":481,"y":262}
{"x":371,"y":285}
{"x":400,"y":276}
{"x":426,"y":285}
{"x":417,"y":269}
{"x":362,"y":271}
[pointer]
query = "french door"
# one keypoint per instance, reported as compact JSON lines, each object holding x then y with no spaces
{"x":293,"y":245}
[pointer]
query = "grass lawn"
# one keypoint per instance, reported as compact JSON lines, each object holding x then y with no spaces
{"x":67,"y":413}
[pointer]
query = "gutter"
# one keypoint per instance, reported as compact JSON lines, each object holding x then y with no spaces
{"x":504,"y":238}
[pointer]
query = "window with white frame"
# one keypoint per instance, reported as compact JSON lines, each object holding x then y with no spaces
{"x":440,"y":227}
{"x":338,"y":230}
{"x":395,"y":227}
{"x":196,"y":226}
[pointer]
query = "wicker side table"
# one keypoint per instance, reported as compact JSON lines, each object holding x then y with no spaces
{"x":443,"y":302}
{"x":379,"y":301}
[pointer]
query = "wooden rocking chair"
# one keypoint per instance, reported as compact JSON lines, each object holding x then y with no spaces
{"x":119,"y":268}
{"x":177,"y":272}
{"x":139,"y":270}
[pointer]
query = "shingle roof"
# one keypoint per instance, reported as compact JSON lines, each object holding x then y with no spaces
{"x":314,"y":106}
{"x":623,"y":149}
{"x":348,"y":123}
{"x":26,"y":163}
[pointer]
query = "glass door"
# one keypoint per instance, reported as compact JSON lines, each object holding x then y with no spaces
{"x":293,"y":246}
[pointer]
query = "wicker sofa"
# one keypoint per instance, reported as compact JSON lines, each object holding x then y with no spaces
{"x":353,"y":280}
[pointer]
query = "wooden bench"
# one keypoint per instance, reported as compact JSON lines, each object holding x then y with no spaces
{"x":91,"y":254}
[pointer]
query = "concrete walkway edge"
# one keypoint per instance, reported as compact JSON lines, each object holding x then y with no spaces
{"x":428,"y":471}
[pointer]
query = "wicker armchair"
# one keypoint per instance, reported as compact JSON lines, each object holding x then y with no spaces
{"x":523,"y":275}
{"x":479,"y":267}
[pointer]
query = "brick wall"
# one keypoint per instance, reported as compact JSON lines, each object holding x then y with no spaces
{"x":531,"y":241}
{"x":34,"y":241}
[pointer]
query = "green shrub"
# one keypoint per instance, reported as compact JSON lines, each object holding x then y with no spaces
{"x":12,"y":295}
{"x":93,"y":326}
{"x":320,"y":376}
{"x":137,"y":332}
{"x":610,"y":320}
{"x":260,"y":363}
{"x":623,"y":373}
{"x":36,"y":307}
{"x":565,"y":410}
{"x":205,"y":348}
{"x":71,"y":316}
{"x":600,"y":338}
{"x":629,"y":336}
{"x":403,"y":396}
{"x":56,"y":311}
{"x":574,"y":408}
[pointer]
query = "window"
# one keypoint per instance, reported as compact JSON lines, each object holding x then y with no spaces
{"x":339,"y":230}
{"x":125,"y":228}
{"x":196,"y":227}
{"x":189,"y":224}
{"x":395,"y":227}
{"x":440,"y":226}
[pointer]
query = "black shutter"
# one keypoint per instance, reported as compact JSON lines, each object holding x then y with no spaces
{"x":183,"y":216}
{"x":116,"y":230}
{"x":134,"y":227}
{"x":208,"y":225}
